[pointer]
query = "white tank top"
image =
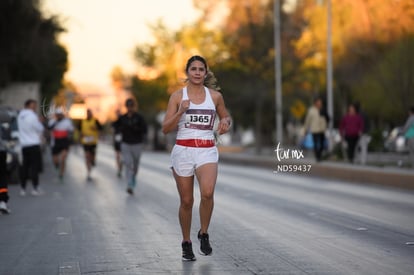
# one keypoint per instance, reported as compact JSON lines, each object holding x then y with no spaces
{"x":198,"y":121}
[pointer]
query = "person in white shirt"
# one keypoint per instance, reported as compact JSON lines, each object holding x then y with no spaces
{"x":192,"y":110}
{"x":61,"y":129}
{"x":30,"y":136}
{"x":316,"y":123}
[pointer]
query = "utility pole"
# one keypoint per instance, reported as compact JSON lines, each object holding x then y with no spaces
{"x":278,"y":76}
{"x":329,"y":66}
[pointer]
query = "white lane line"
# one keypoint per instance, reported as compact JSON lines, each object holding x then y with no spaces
{"x":69,"y":268}
{"x":362,"y":229}
{"x":63,"y":226}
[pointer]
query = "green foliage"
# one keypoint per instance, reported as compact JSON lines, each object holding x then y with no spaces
{"x":390,"y":84}
{"x":377,"y":141}
{"x":373,"y":57}
{"x":166,"y":58}
{"x":247,"y":75}
{"x":151,"y":95}
{"x":368,"y":64}
{"x":29,"y":50}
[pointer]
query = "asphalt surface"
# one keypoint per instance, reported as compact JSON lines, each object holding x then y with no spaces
{"x":381,"y":168}
{"x":263,"y":223}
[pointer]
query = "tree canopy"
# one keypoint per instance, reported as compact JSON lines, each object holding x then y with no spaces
{"x":364,"y":35}
{"x":29,"y":50}
{"x":371,"y":50}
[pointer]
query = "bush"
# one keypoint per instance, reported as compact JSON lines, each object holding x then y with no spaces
{"x":377,"y":141}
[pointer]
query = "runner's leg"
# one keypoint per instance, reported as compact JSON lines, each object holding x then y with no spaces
{"x":206,"y":176}
{"x":185,"y":187}
{"x":63,"y":156}
{"x":25,"y":169}
{"x":36,"y":166}
{"x":137,"y":151}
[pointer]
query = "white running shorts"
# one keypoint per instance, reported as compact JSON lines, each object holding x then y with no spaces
{"x":184,"y":160}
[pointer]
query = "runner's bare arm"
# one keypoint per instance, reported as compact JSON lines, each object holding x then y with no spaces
{"x":176,"y":107}
{"x":224,"y":116}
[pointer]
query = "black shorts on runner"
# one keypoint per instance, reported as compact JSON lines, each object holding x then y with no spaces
{"x":117,"y":146}
{"x":60,"y":145}
{"x":90,"y":148}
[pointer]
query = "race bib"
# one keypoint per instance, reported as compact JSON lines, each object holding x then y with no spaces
{"x":200,"y":119}
{"x":88,"y":139}
{"x":118,"y":137}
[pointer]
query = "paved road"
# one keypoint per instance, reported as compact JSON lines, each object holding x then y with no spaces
{"x":264,"y":223}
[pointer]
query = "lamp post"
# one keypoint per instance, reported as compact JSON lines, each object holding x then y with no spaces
{"x":278,"y":74}
{"x":329,"y":65}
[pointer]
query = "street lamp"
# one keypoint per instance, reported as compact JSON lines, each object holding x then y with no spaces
{"x":278,"y":72}
{"x":329,"y":66}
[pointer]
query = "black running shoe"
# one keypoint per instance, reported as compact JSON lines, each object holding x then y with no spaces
{"x":130,"y":191}
{"x":205,"y":247}
{"x":188,"y":254}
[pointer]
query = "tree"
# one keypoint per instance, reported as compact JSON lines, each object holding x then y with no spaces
{"x":151,"y":95}
{"x":248,"y":72}
{"x":162,"y":63}
{"x":363,"y":32}
{"x":240,"y":50}
{"x":67,"y":95}
{"x":171,"y":49}
{"x":29,"y":50}
{"x":390,"y":84}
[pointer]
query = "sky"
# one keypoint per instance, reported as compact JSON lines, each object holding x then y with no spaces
{"x":102,"y":34}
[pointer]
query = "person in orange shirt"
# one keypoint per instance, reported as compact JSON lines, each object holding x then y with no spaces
{"x":89,"y":129}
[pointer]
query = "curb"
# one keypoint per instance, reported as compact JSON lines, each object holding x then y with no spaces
{"x":334,"y":171}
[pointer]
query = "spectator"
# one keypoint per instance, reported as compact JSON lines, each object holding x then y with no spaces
{"x":351,"y":128}
{"x":316,"y":122}
{"x":30,"y":137}
{"x":409,"y":134}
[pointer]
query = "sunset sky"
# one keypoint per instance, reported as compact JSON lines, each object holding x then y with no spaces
{"x":103,"y":33}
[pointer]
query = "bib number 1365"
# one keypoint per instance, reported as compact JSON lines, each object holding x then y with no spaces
{"x":199,"y":119}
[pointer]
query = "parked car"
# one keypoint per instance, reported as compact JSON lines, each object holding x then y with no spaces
{"x":395,"y":141}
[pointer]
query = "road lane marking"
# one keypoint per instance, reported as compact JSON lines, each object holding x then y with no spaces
{"x":69,"y":268}
{"x":63,"y":226}
{"x":362,"y":229}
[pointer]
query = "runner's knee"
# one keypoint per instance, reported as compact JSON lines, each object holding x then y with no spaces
{"x":207,"y":195}
{"x":187,"y":203}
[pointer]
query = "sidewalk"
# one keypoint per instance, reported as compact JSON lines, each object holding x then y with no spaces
{"x":385,"y":174}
